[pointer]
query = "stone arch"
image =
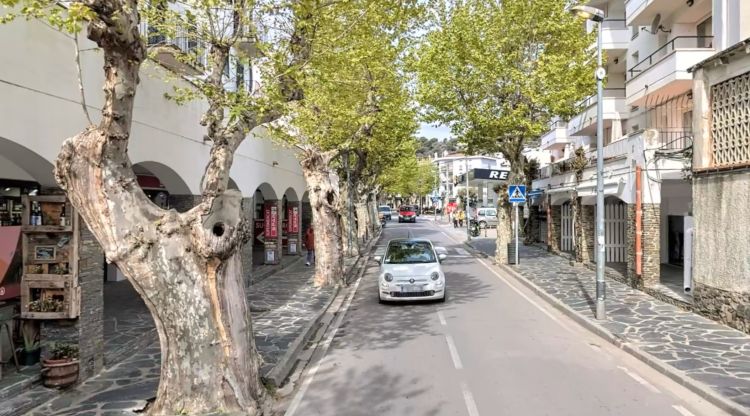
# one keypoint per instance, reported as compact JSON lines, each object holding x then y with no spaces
{"x":291,"y":194}
{"x":168,"y":177}
{"x":266,"y":191}
{"x":233,"y":185}
{"x":26,"y":164}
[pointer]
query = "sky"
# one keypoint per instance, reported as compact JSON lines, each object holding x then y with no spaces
{"x":440,"y":132}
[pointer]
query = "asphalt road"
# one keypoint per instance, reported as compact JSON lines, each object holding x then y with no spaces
{"x":493,"y":348}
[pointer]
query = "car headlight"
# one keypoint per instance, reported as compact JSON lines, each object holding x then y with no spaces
{"x":388,"y":277}
{"x":435,"y":276}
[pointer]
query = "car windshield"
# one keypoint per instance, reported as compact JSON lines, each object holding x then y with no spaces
{"x":406,"y":252}
{"x":406,"y":208}
{"x":384,"y":209}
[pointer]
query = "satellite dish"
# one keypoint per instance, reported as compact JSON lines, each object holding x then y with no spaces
{"x":655,"y":24}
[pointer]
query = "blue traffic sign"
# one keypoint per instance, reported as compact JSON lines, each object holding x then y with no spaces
{"x":517,"y":193}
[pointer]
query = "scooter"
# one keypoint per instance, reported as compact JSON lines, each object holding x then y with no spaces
{"x":382,"y":221}
{"x":474,"y":228}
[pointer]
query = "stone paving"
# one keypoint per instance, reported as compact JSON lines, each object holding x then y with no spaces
{"x":281,"y":305}
{"x":704,"y":350}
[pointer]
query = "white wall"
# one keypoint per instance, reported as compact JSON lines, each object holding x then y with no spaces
{"x":40,"y":107}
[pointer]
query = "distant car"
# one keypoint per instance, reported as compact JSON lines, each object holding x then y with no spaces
{"x":407,"y":213}
{"x":487,"y":217}
{"x":410,"y":270}
{"x":385,"y":210}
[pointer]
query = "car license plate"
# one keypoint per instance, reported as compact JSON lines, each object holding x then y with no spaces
{"x":411,"y":288}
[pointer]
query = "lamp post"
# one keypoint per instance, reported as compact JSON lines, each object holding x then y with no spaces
{"x":597,"y":16}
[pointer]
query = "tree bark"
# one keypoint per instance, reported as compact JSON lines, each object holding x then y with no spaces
{"x":186,"y":267}
{"x":322,"y":183}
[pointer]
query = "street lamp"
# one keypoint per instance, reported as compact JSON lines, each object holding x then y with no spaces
{"x":597,"y":16}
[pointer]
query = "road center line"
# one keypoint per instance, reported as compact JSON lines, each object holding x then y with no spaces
{"x":639,"y":379}
{"x":681,"y":410}
{"x":454,"y":352}
{"x":471,"y":406}
{"x":326,"y":344}
{"x":441,"y":318}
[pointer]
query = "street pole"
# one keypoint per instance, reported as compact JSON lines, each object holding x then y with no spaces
{"x":468,"y":220}
{"x":601,"y":288}
{"x":515,"y":205}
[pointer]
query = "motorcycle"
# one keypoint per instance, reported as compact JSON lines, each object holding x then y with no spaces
{"x":474,"y":228}
{"x":382,"y":220}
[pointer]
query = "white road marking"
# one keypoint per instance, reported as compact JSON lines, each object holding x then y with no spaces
{"x":442,"y":318}
{"x":681,"y":410}
{"x":454,"y":352}
{"x":639,"y":379}
{"x":462,"y":252}
{"x":471,"y":406}
{"x":327,"y":343}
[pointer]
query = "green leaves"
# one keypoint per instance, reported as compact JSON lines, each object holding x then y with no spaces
{"x":68,"y":17}
{"x":497,"y":72}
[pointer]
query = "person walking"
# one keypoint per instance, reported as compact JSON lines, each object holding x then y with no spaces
{"x":310,"y":246}
{"x":461,"y":218}
{"x":454,"y":215}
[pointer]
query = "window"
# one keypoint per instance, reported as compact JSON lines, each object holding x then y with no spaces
{"x":730,"y":123}
{"x":705,"y":33}
{"x":405,"y":252}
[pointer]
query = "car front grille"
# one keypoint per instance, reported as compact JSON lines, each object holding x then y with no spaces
{"x":412,"y":294}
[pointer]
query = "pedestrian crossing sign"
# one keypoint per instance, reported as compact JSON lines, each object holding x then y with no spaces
{"x":517,"y":193}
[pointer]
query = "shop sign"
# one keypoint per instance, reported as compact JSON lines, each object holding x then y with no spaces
{"x":271,"y":229}
{"x":293,"y":218}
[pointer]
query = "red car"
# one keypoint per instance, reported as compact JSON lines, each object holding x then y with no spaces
{"x":407,"y":213}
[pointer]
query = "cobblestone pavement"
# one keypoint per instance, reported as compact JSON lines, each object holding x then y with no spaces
{"x":704,"y":350}
{"x":280,"y":305}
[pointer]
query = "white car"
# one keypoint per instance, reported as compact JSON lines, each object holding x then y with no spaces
{"x":410,"y":270}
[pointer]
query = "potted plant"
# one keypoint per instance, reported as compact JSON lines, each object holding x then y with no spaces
{"x":31,"y":348}
{"x":60,"y":369}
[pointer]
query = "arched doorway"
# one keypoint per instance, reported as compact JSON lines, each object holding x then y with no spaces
{"x":267,"y":236}
{"x":163,"y":186}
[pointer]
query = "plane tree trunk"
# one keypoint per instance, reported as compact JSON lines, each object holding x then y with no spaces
{"x":323,"y":187}
{"x":186,"y":267}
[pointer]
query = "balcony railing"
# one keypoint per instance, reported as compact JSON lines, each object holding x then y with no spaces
{"x":614,"y":24}
{"x":606,"y":93}
{"x":675,"y":139}
{"x":678,"y":42}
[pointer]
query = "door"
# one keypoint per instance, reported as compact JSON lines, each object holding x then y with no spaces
{"x":615,"y":237}
{"x":566,"y":227}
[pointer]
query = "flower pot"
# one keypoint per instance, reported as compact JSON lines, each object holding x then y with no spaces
{"x":59,"y":373}
{"x":29,"y":358}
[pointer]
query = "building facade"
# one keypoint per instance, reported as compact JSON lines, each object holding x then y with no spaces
{"x":451,"y":166}
{"x":648,"y":110}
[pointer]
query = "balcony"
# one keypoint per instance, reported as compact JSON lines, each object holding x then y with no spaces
{"x":181,"y":54}
{"x":615,"y":34}
{"x":613,"y":108}
{"x":556,"y":137}
{"x":665,"y":72}
{"x":642,"y":12}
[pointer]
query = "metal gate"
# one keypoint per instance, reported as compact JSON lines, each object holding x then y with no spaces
{"x":566,"y":227}
{"x":543,"y":231}
{"x":615,"y":237}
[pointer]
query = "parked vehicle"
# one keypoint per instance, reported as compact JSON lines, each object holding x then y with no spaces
{"x":385,"y":210}
{"x":410,"y":270}
{"x":487,"y":217}
{"x":407,"y":213}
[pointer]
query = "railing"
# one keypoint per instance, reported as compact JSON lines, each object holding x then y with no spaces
{"x":607,"y":93}
{"x":614,"y":24}
{"x":181,"y":41}
{"x":678,"y":42}
{"x":675,"y":139}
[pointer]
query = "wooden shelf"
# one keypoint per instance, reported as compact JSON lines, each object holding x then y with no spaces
{"x":47,"y":228}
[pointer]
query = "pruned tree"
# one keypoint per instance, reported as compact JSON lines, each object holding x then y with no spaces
{"x":348,"y":88}
{"x":497,"y":72}
{"x":185,"y":266}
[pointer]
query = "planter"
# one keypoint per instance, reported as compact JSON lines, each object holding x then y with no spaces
{"x":29,"y":358}
{"x":59,"y":373}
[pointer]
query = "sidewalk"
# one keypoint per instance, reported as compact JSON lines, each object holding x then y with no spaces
{"x":709,"y":358}
{"x":283,"y":307}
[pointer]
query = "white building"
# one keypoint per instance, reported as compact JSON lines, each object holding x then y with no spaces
{"x":452,"y":165}
{"x":647,"y":116}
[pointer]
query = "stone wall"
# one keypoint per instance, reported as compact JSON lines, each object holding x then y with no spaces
{"x":534,"y":224}
{"x":87,"y":332}
{"x":727,"y":307}
{"x":632,"y":278}
{"x":553,"y":244}
{"x":650,"y":243}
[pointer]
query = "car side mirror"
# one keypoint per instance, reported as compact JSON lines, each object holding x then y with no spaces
{"x":377,"y":258}
{"x":442,"y":256}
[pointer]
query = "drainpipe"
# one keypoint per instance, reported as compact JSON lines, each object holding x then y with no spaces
{"x":638,"y":222}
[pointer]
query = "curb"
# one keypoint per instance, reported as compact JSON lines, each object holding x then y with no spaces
{"x":676,"y":375}
{"x":279,"y":373}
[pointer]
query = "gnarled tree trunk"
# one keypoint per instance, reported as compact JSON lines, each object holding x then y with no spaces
{"x":184,"y":266}
{"x":323,"y":187}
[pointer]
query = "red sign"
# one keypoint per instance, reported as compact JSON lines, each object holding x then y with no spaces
{"x":271,"y":229}
{"x":292,"y":213}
